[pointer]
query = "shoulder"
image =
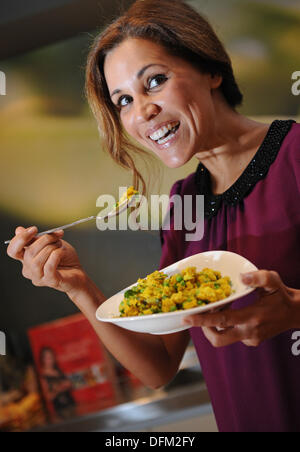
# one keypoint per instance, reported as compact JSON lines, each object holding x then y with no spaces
{"x":289,"y":157}
{"x":292,"y":141}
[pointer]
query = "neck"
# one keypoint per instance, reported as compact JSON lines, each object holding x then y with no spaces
{"x":231,"y":146}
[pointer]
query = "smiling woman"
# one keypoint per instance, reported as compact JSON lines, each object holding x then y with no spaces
{"x":162,"y":61}
{"x":159,"y":75}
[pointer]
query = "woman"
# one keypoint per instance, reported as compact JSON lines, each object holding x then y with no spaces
{"x":57,"y":387}
{"x":162,"y":64}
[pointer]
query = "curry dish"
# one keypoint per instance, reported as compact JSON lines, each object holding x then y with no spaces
{"x":160,"y":293}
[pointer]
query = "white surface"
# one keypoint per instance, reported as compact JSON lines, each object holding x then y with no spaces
{"x":229,"y":264}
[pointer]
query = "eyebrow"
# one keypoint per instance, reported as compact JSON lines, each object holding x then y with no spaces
{"x":139,"y":76}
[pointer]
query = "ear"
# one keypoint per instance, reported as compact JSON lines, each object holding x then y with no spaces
{"x":216,"y":81}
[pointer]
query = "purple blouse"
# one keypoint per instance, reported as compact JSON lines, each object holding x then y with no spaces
{"x":251,"y":389}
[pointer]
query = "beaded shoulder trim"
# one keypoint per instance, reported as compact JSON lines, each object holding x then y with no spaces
{"x":255,"y":171}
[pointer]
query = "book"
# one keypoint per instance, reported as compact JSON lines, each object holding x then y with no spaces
{"x":74,"y":369}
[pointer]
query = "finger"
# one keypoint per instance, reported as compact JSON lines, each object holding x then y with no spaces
{"x":225,"y":337}
{"x":59,"y":233}
{"x":40,"y":260}
{"x":222,"y":319}
{"x":51,"y":274}
{"x":270,"y":281}
{"x":40,"y":243}
{"x":16,"y":247}
{"x":19,"y":229}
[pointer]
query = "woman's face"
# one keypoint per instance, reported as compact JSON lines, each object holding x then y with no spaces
{"x":156,"y":94}
{"x":48,"y":359}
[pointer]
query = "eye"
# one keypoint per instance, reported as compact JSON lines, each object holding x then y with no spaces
{"x":161,"y":78}
{"x":120,"y":101}
{"x":153,"y":82}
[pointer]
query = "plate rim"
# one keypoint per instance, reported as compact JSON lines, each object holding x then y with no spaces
{"x":196,"y":310}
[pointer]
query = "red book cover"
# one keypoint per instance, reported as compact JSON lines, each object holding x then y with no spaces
{"x":74,"y":370}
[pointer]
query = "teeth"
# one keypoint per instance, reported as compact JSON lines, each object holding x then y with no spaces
{"x":163,"y":131}
{"x":165,"y":140}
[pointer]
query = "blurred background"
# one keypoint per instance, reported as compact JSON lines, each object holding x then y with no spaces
{"x":52,"y":167}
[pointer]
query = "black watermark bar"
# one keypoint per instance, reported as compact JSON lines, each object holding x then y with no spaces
{"x":145,"y":441}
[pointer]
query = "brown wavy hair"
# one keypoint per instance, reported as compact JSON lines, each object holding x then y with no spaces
{"x":183,"y":32}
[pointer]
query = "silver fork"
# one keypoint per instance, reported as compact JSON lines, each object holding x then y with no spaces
{"x":115,"y":212}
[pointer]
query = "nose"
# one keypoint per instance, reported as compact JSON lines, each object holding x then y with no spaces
{"x":145,"y":110}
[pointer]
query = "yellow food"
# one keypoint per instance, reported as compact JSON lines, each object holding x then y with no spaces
{"x":127,"y":195}
{"x":159,"y":293}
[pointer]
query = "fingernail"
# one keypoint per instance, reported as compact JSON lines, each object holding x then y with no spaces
{"x":186,"y":322}
{"x":247,"y":278}
{"x":32,"y":230}
{"x":60,"y":232}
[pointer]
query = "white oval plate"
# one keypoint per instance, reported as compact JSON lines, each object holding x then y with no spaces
{"x":229,"y":264}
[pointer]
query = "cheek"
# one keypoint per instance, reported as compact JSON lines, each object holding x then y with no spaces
{"x":177,"y":96}
{"x":185,"y":92}
{"x":191,"y":102}
{"x":128,"y":125}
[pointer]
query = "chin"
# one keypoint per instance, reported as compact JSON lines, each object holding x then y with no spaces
{"x":174,"y":165}
{"x":177,"y":162}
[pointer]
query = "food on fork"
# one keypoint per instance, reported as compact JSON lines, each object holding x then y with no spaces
{"x":127,"y":195}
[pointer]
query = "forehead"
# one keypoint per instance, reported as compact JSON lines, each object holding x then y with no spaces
{"x":131,"y":55}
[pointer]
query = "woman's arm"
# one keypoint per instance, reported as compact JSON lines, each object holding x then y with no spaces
{"x":49,"y":261}
{"x":153,"y":359}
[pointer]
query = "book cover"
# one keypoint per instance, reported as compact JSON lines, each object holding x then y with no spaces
{"x":75,"y":372}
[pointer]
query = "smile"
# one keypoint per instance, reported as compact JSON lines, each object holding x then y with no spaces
{"x":165,"y":134}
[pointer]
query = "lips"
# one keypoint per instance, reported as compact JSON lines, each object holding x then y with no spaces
{"x":154,"y":129}
{"x":169,"y":140}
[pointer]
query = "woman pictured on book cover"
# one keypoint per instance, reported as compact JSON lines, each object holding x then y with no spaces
{"x":56,"y":386}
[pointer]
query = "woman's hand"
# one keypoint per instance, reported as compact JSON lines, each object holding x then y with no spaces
{"x":47,"y":261}
{"x":277,"y":310}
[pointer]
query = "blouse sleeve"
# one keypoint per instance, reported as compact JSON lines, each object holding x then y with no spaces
{"x":168,"y":238}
